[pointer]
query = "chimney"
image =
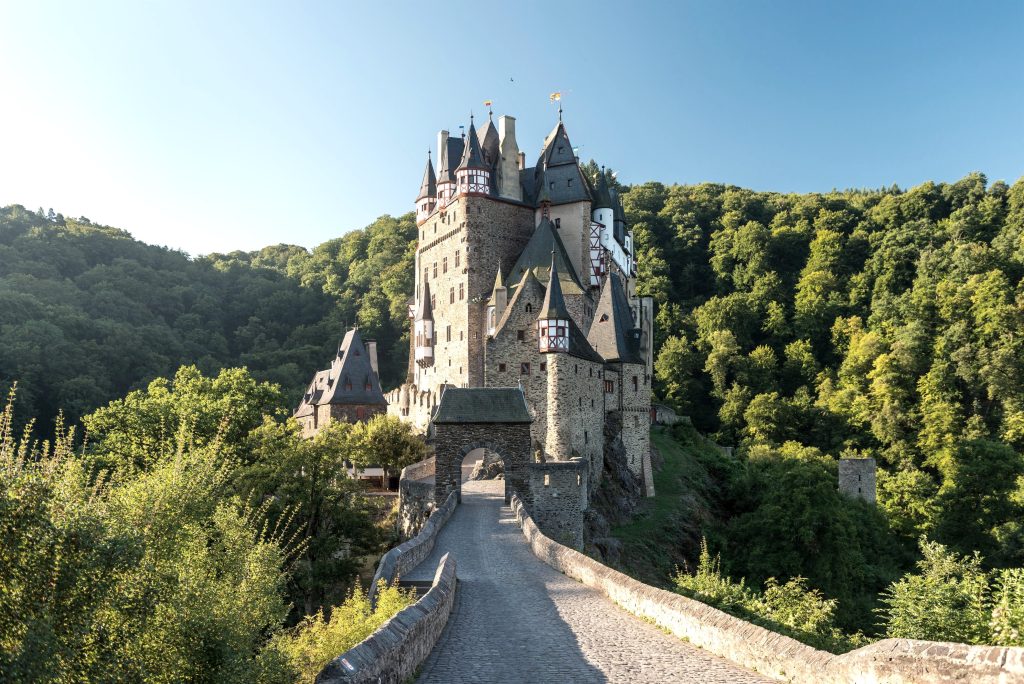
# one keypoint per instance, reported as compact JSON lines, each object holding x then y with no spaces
{"x":442,"y":154}
{"x":508,"y":168}
{"x":371,"y":349}
{"x":522,"y":161}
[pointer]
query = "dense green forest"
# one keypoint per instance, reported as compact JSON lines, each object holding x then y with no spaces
{"x":87,"y":313}
{"x":797,"y":328}
{"x":801,"y":328}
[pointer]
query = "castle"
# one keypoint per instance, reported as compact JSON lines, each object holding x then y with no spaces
{"x":526,"y":277}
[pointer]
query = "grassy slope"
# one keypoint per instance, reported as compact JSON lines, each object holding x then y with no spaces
{"x":667,"y":531}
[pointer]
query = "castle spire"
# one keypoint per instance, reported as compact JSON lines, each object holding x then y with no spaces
{"x":553,"y":321}
{"x":602,"y":198}
{"x":428,"y":188}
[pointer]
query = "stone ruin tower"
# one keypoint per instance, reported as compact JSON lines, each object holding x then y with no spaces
{"x":526,"y":277}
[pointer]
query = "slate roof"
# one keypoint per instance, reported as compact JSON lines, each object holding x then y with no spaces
{"x":349,"y":380}
{"x":482,"y":405}
{"x":536,"y":256}
{"x":602,"y":198}
{"x":558,"y":171}
{"x":554,"y":304}
{"x":619,"y":217}
{"x":428,"y":188}
{"x":613,"y":334}
{"x":489,"y":143}
{"x":447,"y":162}
{"x":424,"y":309}
{"x":471,"y":156}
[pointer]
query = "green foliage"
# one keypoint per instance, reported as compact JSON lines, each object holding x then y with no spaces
{"x":317,"y":640}
{"x":88,"y":314}
{"x":156,"y":578}
{"x":791,"y":608}
{"x":385,"y":441}
{"x":948,"y":600}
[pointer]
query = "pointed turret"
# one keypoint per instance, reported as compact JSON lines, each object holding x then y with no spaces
{"x":423,"y":328}
{"x":427,"y":199}
{"x":472,"y":175}
{"x":602,"y":197}
{"x":553,"y":321}
{"x":489,"y":144}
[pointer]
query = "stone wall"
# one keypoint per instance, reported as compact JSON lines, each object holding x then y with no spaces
{"x":392,"y":653}
{"x":558,"y":493}
{"x":857,"y":478}
{"x":452,"y":441}
{"x":411,"y":553}
{"x":575,"y":420}
{"x":415,"y":497}
{"x":890,"y":661}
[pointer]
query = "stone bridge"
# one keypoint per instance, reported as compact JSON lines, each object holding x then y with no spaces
{"x":517,"y":620}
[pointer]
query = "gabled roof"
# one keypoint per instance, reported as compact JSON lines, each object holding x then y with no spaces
{"x":482,"y":405}
{"x":471,"y":156}
{"x":424,"y":309}
{"x":499,"y":283}
{"x":557,"y":148}
{"x":554,"y":304}
{"x":428,"y":188}
{"x":613,"y":334}
{"x":536,"y":257}
{"x":349,"y":380}
{"x":527,"y":285}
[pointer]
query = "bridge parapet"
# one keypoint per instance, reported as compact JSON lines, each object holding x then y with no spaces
{"x":411,"y":553}
{"x":392,"y":653}
{"x":889,"y":661}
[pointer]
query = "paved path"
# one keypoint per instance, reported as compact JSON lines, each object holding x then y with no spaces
{"x":517,"y":620}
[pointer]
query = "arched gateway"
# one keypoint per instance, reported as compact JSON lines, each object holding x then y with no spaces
{"x":494,"y":418}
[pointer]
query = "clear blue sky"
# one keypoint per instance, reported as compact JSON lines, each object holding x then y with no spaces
{"x":211,"y":126}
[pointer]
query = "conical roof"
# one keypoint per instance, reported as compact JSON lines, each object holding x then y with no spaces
{"x":351,"y":379}
{"x":602,"y":198}
{"x":428,"y":188}
{"x":613,"y":334}
{"x":499,"y":284}
{"x":554,"y":302}
{"x":424,"y":310}
{"x":471,"y":156}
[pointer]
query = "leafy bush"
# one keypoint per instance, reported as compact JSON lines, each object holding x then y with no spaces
{"x":791,"y":608}
{"x":954,"y":599}
{"x":317,"y":640}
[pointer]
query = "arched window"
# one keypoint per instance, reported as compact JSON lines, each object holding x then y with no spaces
{"x":529,"y":308}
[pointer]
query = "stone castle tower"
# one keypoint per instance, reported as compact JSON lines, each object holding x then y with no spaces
{"x":525,"y":277}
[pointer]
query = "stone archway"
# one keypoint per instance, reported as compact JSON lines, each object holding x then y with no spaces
{"x":496,"y":419}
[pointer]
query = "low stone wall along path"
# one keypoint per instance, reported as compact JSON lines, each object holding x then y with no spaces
{"x":517,"y":620}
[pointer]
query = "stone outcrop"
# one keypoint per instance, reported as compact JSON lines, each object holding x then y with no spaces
{"x":615,"y":499}
{"x":392,"y":653}
{"x":892,"y":661}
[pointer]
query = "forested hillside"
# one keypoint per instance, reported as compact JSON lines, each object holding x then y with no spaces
{"x":88,"y":313}
{"x":801,"y":328}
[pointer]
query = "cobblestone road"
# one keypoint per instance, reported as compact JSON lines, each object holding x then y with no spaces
{"x":517,"y":620}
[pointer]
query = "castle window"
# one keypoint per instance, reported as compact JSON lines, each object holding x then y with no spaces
{"x":579,"y":480}
{"x":451,"y":295}
{"x":551,"y":185}
{"x":609,"y":386}
{"x":547,"y":479}
{"x":524,"y":368}
{"x":501,"y":368}
{"x":426,"y":274}
{"x":435,"y":269}
{"x":591,"y":371}
{"x":586,"y":440}
{"x":462,"y":294}
{"x":604,"y":317}
{"x":433,"y":301}
{"x":460,"y":336}
{"x":580,"y":401}
{"x":569,"y":182}
{"x":360,"y":413}
{"x":543,"y":367}
{"x":448,"y":332}
{"x":591,"y":403}
{"x":520,"y":335}
{"x":444,"y":265}
{"x":635,"y":384}
{"x":558,"y":223}
{"x":456,"y":258}
{"x":529,"y":308}
{"x":348,"y":384}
